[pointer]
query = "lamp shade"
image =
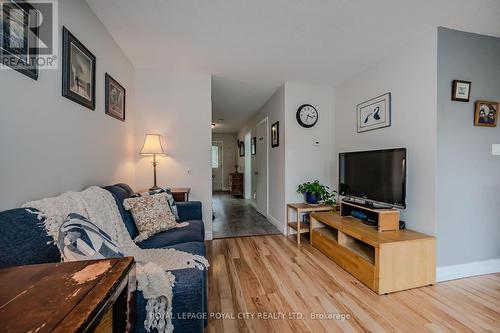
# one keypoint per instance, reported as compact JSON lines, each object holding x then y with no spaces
{"x":152,"y":145}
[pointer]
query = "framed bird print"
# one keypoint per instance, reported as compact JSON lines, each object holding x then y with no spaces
{"x":374,"y":113}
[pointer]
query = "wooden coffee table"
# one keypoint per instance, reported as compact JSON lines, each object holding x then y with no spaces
{"x":83,"y":296}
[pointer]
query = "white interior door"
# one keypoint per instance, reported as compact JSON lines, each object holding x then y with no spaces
{"x":217,"y":177}
{"x":261,"y":172}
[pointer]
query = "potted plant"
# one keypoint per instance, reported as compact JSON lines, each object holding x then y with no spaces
{"x":316,"y":193}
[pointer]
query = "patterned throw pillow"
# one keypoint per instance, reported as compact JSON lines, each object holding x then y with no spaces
{"x":80,"y":239}
{"x":151,"y":215}
{"x":171,"y":201}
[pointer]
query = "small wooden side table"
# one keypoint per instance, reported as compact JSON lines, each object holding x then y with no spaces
{"x":81,"y":296}
{"x":301,"y":208}
{"x":181,"y":194}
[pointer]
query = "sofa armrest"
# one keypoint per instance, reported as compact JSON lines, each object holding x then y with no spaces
{"x":189,"y":210}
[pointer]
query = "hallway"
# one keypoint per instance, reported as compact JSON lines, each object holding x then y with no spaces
{"x":236,"y":218}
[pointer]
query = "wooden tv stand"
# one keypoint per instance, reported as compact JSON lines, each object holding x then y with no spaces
{"x":384,"y":261}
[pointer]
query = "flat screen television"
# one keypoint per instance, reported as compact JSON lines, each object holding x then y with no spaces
{"x":377,"y":176}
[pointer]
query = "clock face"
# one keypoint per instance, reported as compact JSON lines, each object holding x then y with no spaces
{"x":307,"y":116}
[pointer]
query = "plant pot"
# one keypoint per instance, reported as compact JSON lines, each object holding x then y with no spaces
{"x":311,"y":199}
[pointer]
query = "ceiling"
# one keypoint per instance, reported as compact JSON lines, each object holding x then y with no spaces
{"x":252,"y":46}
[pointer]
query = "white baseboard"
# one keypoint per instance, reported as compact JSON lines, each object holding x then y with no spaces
{"x":454,"y":272}
{"x":276,"y":223}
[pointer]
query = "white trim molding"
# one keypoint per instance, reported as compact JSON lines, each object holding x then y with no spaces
{"x":276,"y":223}
{"x":454,"y":272}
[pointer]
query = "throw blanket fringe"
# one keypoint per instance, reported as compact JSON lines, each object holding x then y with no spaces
{"x":154,"y":278}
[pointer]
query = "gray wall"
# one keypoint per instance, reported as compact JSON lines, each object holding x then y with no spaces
{"x":410,"y":75}
{"x":49,"y":144}
{"x":468,"y":176}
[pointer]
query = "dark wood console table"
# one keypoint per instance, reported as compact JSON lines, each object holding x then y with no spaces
{"x":82,"y":296}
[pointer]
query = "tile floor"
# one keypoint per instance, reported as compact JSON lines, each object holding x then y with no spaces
{"x":236,"y":218}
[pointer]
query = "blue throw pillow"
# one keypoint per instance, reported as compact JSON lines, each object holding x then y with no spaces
{"x":170,"y":198}
{"x":80,"y":239}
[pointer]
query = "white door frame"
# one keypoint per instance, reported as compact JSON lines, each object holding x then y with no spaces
{"x":247,"y":188}
{"x":266,"y":120}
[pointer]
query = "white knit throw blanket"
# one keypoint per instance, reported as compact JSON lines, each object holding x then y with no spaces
{"x":153,"y":265}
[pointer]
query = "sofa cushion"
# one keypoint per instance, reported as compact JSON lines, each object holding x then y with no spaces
{"x":120,"y":193}
{"x":193,"y":232}
{"x":170,"y":197}
{"x":191,"y":210}
{"x":24,"y":241}
{"x":80,"y":239}
{"x":152,"y":215}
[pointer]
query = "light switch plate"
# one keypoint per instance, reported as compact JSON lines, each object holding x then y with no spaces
{"x":495,"y":149}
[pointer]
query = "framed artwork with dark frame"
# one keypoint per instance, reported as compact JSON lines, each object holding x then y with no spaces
{"x":486,"y":114}
{"x":275,"y":135}
{"x":115,"y":98}
{"x":254,"y":145}
{"x":19,"y":35}
{"x":374,"y":113}
{"x":78,"y":71}
{"x":241,"y":148}
{"x":460,"y":91}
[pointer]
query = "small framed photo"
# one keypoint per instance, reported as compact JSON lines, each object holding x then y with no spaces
{"x":254,"y":146}
{"x":486,"y":114}
{"x":460,"y":91}
{"x":275,"y":135}
{"x":19,"y":34}
{"x":374,"y":113}
{"x":241,"y":148}
{"x":78,"y":71}
{"x":115,"y":99}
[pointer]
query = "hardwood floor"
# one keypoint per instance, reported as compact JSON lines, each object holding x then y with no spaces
{"x":270,"y":277}
{"x":236,"y":217}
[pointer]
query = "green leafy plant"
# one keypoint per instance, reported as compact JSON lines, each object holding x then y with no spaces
{"x":326,"y":197}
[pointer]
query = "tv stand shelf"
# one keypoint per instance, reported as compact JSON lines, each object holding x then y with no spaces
{"x":384,"y":261}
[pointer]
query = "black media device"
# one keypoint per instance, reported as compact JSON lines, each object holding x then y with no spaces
{"x":377,"y":177}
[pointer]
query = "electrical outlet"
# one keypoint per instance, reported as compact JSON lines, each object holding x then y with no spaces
{"x":495,"y":149}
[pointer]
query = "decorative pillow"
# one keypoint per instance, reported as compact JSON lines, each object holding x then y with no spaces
{"x":80,"y":239}
{"x":171,"y":200}
{"x":151,"y":214}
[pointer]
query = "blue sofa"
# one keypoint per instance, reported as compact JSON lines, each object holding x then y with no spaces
{"x":23,"y":241}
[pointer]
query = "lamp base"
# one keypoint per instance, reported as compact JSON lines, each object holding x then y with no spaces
{"x":154,"y":188}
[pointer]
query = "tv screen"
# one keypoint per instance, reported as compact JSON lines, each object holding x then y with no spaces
{"x":375,"y":176}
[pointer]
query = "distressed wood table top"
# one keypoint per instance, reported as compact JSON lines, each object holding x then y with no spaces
{"x":59,"y":297}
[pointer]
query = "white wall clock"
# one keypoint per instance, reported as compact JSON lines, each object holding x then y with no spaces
{"x":307,"y":116}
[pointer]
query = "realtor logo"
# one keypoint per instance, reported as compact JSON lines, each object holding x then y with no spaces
{"x":28,"y":35}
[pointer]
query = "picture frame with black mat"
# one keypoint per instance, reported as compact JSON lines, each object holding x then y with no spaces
{"x":78,"y":71}
{"x":115,"y":98}
{"x":19,"y":37}
{"x":460,"y":91}
{"x":275,"y":135}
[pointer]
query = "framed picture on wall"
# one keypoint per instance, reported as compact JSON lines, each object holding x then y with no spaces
{"x":486,"y":114}
{"x":19,"y":34}
{"x":78,"y":71}
{"x":275,"y":134}
{"x":115,"y":99}
{"x":241,"y":148}
{"x":460,"y":91}
{"x":374,"y":113}
{"x":254,"y":145}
